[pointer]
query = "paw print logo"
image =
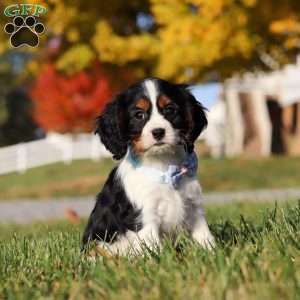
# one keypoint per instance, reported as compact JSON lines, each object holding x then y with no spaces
{"x":24,"y":31}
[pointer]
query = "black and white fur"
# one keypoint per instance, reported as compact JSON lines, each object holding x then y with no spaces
{"x":160,"y":122}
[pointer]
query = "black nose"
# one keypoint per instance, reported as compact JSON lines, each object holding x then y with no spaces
{"x":158,"y":133}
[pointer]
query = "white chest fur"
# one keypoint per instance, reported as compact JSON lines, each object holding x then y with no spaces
{"x":160,"y":203}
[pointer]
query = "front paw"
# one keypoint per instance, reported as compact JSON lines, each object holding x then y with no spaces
{"x":207,"y":241}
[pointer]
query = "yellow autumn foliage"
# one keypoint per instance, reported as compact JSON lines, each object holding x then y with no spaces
{"x":75,"y":59}
{"x":287,"y":25}
{"x":191,"y":36}
{"x":187,"y":40}
{"x":112,"y":48}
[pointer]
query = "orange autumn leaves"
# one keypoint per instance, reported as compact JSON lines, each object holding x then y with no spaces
{"x":69,"y":103}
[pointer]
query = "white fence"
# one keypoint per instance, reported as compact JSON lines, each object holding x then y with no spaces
{"x":54,"y":148}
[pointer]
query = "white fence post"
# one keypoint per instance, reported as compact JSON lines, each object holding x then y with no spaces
{"x":262,"y":120}
{"x":68,"y":150}
{"x":234,"y":127}
{"x":95,"y":153}
{"x":21,"y":158}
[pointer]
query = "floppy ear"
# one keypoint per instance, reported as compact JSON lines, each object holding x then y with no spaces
{"x":196,"y":117}
{"x":110,"y":126}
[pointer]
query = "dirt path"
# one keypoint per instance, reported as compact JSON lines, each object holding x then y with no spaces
{"x":26,"y":211}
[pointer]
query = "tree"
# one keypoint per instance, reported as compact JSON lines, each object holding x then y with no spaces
{"x":191,"y":39}
{"x":64,"y":62}
{"x":73,"y":23}
{"x":173,"y":39}
{"x":70,"y":103}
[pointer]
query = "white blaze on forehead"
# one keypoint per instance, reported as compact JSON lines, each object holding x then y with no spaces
{"x":156,"y":119}
{"x":152,"y":92}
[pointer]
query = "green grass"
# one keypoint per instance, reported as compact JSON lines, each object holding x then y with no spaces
{"x":86,"y":177}
{"x":257,"y":257}
{"x":82,"y":177}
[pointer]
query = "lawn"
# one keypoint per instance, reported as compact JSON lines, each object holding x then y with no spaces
{"x":86,"y":177}
{"x":257,"y":257}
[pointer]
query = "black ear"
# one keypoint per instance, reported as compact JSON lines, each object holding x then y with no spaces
{"x":111,"y":127}
{"x":199,"y":118}
{"x":195,"y":117}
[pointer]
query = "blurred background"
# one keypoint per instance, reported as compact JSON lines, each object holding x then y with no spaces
{"x":240,"y":57}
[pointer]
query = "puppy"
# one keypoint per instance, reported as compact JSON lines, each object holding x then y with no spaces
{"x":151,"y":127}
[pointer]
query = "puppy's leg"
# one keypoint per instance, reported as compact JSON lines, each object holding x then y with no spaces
{"x":149,"y":237}
{"x":122,"y":246}
{"x":133,"y":243}
{"x":199,"y":229}
{"x":195,"y":217}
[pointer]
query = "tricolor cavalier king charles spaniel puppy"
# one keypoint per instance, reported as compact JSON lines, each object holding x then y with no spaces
{"x":151,"y":127}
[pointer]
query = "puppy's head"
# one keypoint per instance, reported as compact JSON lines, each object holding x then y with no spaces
{"x":152,"y":116}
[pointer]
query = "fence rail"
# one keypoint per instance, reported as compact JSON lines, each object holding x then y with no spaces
{"x":54,"y":148}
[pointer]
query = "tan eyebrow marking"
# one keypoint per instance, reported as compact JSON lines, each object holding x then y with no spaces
{"x":163,"y":101}
{"x":143,"y":104}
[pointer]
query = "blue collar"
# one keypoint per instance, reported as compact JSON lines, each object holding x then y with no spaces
{"x":173,"y":175}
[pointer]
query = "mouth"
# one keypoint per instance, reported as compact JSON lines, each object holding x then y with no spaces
{"x":159,"y":144}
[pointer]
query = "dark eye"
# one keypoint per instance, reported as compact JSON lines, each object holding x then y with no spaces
{"x":170,"y":110}
{"x":140,"y":115}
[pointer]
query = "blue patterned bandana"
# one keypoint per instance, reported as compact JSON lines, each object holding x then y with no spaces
{"x":173,"y":175}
